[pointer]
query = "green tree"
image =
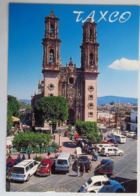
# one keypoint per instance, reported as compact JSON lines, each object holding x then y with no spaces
{"x":12,"y":110}
{"x":30,"y":139}
{"x":53,"y":108}
{"x":13,"y":105}
{"x":9,"y":122}
{"x":112,"y":103}
{"x":89,"y":129}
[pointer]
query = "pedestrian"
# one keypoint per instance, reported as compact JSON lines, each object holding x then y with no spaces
{"x":28,"y":153}
{"x":23,"y":157}
{"x":18,"y":158}
{"x":48,"y":153}
{"x":92,"y":154}
{"x":82,"y":168}
{"x":77,"y":167}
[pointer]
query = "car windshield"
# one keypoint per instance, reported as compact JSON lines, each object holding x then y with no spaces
{"x":44,"y":164}
{"x":18,"y":170}
{"x":61,"y":162}
{"x":85,"y":159}
{"x":89,"y":181}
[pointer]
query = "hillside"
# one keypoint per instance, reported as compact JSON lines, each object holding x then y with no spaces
{"x":116,"y":99}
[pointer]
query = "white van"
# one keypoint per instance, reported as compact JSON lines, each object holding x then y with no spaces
{"x":120,"y":138}
{"x":24,"y":170}
{"x":63,"y":162}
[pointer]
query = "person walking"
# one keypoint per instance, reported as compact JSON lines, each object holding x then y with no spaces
{"x":82,"y":168}
{"x":28,"y":154}
{"x":23,"y":157}
{"x":92,"y":154}
{"x":77,"y":167}
{"x":48,"y":153}
{"x":18,"y":158}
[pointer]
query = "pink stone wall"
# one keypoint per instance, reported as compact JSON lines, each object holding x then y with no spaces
{"x":90,"y":82}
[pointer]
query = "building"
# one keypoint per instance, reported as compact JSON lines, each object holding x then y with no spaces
{"x":130,"y":121}
{"x":77,"y":85}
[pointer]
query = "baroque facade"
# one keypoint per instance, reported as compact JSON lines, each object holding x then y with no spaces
{"x":77,"y":85}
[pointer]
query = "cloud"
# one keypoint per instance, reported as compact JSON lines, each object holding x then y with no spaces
{"x":125,"y":64}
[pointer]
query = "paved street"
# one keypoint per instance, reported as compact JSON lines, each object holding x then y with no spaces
{"x":124,"y":171}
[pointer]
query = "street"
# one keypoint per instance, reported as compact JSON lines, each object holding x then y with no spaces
{"x":125,"y":171}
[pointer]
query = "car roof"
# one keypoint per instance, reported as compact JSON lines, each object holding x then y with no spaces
{"x":48,"y":160}
{"x":64,"y":155}
{"x":24,"y":163}
{"x":106,"y":160}
{"x":114,"y":182}
{"x":99,"y":177}
{"x":83,"y":157}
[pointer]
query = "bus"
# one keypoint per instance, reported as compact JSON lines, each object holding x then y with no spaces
{"x":120,"y":138}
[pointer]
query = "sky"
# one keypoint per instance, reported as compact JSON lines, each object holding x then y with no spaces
{"x":118,"y":38}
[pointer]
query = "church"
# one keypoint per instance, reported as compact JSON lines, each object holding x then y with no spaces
{"x":77,"y":84}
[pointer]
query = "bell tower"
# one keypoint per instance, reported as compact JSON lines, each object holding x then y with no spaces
{"x":89,"y":65}
{"x":51,"y":55}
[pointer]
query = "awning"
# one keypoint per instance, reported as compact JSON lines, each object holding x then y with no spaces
{"x":15,"y":119}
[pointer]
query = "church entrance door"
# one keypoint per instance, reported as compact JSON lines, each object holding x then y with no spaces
{"x":71,"y":117}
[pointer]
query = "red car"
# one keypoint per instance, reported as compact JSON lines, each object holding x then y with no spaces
{"x":107,"y":142}
{"x":9,"y":165}
{"x":46,"y":167}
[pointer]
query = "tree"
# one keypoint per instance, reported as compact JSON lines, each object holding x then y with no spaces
{"x":9,"y":122}
{"x":12,"y":110}
{"x":53,"y":108}
{"x":112,"y":103}
{"x":13,"y":105}
{"x":30,"y":139}
{"x":89,"y":129}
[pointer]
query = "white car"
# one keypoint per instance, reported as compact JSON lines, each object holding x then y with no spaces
{"x":24,"y":170}
{"x":100,"y":146}
{"x":111,"y":151}
{"x":131,"y":134}
{"x":94,"y":184}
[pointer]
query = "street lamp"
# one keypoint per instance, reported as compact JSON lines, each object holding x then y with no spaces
{"x":59,"y":137}
{"x":50,"y":124}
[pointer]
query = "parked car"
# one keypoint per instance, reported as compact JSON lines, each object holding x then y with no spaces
{"x":124,"y":132}
{"x":93,"y":184}
{"x":114,"y":141}
{"x":105,"y":167}
{"x":10,"y":162}
{"x":131,"y":134}
{"x":98,"y":147}
{"x":109,"y":151}
{"x":46,"y":167}
{"x":112,"y":186}
{"x":107,"y":142}
{"x":24,"y":170}
{"x":86,"y":161}
{"x":63,"y":162}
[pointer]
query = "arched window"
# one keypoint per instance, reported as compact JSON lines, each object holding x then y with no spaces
{"x":51,"y":58}
{"x":91,"y":33}
{"x":52,"y":29}
{"x":91,"y":59}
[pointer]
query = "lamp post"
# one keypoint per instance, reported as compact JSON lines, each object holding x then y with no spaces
{"x":50,"y":124}
{"x":59,"y":138}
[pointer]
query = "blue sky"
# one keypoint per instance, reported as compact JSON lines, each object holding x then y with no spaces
{"x":118,"y":50}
